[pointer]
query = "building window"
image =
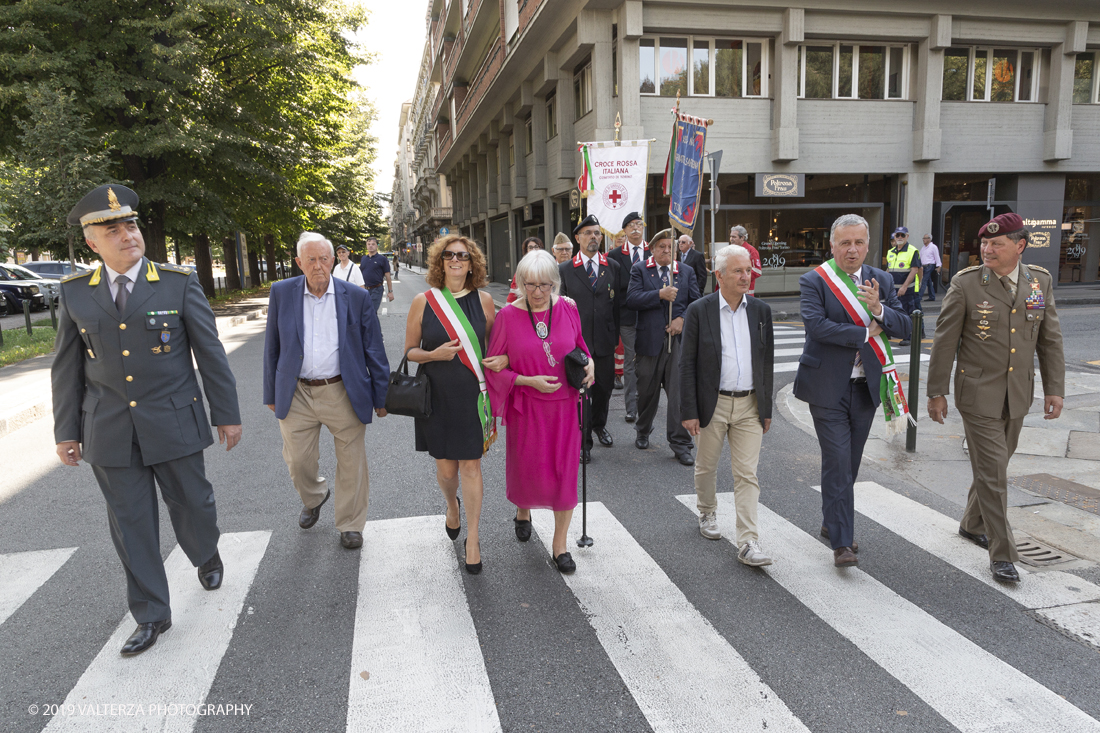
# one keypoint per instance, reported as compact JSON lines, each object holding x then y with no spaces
{"x":1085,"y":79}
{"x":530,"y":136}
{"x":990,"y":74}
{"x":582,"y":91}
{"x":851,"y":71}
{"x":551,"y":116}
{"x":702,"y":67}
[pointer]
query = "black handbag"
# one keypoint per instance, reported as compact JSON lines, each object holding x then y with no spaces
{"x":409,"y":395}
{"x":575,"y":362}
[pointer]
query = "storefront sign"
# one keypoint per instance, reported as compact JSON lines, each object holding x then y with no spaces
{"x":1039,"y":239}
{"x":789,"y":185}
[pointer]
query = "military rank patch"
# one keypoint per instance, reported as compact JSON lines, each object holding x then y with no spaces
{"x":1035,"y":300}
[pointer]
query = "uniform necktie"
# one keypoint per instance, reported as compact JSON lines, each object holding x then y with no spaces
{"x":664,"y":276}
{"x":1009,"y":286}
{"x":122,"y":294}
{"x":592,"y":274}
{"x":634,"y":260}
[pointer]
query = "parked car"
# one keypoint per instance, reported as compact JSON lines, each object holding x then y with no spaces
{"x":15,"y":290}
{"x":49,"y":288}
{"x":53,"y":270}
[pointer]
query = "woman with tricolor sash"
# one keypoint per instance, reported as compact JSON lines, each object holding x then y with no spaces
{"x":446,"y":333}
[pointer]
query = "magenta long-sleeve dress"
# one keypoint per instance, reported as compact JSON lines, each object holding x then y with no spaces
{"x":543,"y":435}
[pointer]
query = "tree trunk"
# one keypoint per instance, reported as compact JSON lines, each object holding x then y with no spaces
{"x":253,"y":269}
{"x":34,"y":254}
{"x":232,"y":272}
{"x":269,"y":255}
{"x":203,"y":264}
{"x":155,"y":248}
{"x":72,"y":251}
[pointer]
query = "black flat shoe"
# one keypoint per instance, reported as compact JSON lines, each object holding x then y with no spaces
{"x":453,"y":532}
{"x":978,"y":539}
{"x":686,"y":459}
{"x":144,"y":636}
{"x":308,"y":517}
{"x":565,"y":563}
{"x":1004,"y":571}
{"x":210,"y":574}
{"x":631,"y":416}
{"x":475,"y":568}
{"x":523,"y":528}
{"x":586,"y":455}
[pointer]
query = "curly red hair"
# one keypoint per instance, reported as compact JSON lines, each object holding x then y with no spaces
{"x":475,"y":278}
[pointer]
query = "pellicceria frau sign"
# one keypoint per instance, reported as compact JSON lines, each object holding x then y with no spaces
{"x":1038,"y":239}
{"x":791,"y":185}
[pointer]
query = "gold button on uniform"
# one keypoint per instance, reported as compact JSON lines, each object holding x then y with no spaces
{"x":1014,"y":330}
{"x":1010,"y":369}
{"x":125,"y":352}
{"x":133,"y":404}
{"x":1013,"y":310}
{"x":129,"y":378}
{"x":84,"y":330}
{"x":122,"y":326}
{"x":962,"y":371}
{"x":1013,"y":350}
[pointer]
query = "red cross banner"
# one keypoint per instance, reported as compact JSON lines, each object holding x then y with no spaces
{"x":613,"y":180}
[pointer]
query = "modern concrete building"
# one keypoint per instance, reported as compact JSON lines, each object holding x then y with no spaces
{"x":910,"y":113}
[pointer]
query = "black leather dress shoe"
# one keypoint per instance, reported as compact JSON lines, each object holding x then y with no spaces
{"x":686,"y":459}
{"x":605,"y":437}
{"x":351,"y":540}
{"x":618,"y":382}
{"x":309,"y":517}
{"x":144,"y":636}
{"x":978,"y":539}
{"x":210,"y":573}
{"x":565,"y":563}
{"x":825,"y":534}
{"x":642,"y":442}
{"x":631,"y":416}
{"x":586,"y":455}
{"x":523,"y":529}
{"x":903,"y":342}
{"x":1004,"y":571}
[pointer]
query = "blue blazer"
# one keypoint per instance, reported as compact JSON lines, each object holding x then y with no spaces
{"x":832,"y":340}
{"x":643,"y":296}
{"x":363,"y":363}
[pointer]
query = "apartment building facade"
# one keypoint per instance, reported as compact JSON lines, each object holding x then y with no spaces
{"x":909,"y":113}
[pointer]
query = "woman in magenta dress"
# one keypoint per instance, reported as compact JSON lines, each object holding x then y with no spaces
{"x":534,"y":401}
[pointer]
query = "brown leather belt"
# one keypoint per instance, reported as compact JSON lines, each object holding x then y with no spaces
{"x":728,"y":393}
{"x":321,"y":382}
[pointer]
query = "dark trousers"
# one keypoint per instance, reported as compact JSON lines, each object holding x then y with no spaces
{"x":655,"y":373}
{"x":842,"y":432}
{"x":131,"y":495}
{"x":991,"y":441}
{"x":928,"y":283}
{"x":601,"y":395}
{"x":911,"y":302}
{"x":376,"y":294}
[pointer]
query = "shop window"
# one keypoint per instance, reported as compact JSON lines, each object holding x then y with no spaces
{"x":990,"y":74}
{"x":582,"y":91}
{"x":1085,"y":79}
{"x":849,"y":71}
{"x":702,"y":67}
{"x":551,"y":116}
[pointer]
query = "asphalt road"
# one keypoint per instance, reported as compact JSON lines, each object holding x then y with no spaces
{"x":909,"y":642}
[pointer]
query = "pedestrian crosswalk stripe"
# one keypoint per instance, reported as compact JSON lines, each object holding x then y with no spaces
{"x":1052,"y":594}
{"x":416,"y":663}
{"x":170,"y":681}
{"x":682,"y":673}
{"x":788,"y":352}
{"x":785,"y":341}
{"x":22,"y":573}
{"x":971,"y":688}
{"x":791,"y":366}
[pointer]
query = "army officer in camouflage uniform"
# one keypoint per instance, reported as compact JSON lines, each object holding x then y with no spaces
{"x":125,"y":399}
{"x":995,"y":318}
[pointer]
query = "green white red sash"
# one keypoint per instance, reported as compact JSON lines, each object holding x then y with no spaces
{"x":458,"y":326}
{"x":844,"y":289}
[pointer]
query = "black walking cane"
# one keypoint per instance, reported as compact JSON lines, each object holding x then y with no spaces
{"x":584,"y":540}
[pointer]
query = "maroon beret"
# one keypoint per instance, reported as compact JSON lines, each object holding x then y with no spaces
{"x":1000,"y":225}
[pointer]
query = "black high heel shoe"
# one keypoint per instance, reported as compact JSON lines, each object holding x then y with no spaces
{"x":453,"y":532}
{"x":475,"y":568}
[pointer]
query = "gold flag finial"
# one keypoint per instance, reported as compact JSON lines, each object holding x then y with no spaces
{"x":112,"y":200}
{"x":618,"y":124}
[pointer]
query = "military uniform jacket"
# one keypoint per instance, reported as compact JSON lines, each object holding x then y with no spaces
{"x":994,"y":339}
{"x":623,"y":258}
{"x":599,"y":306}
{"x":113,"y":375}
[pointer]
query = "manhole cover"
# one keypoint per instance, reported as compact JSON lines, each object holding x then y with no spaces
{"x":1068,"y":492}
{"x":1038,"y":555}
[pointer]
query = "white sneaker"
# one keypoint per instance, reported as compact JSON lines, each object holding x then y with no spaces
{"x":751,"y":554}
{"x":708,"y":526}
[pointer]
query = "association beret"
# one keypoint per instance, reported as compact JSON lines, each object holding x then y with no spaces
{"x":107,"y":204}
{"x":663,"y":234}
{"x":1000,"y":225}
{"x":588,"y":221}
{"x":632,"y":216}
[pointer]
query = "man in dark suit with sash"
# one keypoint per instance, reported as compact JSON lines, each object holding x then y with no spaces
{"x":592,"y":281}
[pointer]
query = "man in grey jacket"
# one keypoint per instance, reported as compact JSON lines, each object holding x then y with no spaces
{"x":126,"y":400}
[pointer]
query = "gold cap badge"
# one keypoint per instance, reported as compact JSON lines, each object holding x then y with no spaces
{"x":112,"y":200}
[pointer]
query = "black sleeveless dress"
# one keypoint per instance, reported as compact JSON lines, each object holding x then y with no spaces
{"x":453,"y":432}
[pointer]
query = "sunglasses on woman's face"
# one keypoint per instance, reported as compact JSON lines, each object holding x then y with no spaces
{"x":460,"y":256}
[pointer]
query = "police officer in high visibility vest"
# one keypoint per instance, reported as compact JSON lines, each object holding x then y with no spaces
{"x":903,"y":262}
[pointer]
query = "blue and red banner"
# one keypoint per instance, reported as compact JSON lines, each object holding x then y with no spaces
{"x":683,"y":180}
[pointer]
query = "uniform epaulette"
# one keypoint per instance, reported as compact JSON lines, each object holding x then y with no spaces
{"x":1040,"y":269}
{"x":169,"y":267}
{"x":75,"y":275}
{"x":968,"y":269}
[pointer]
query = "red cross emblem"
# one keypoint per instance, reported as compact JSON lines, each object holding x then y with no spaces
{"x":615,"y":196}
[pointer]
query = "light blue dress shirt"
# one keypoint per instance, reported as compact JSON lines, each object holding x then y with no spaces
{"x":736,"y":375}
{"x":320,"y":336}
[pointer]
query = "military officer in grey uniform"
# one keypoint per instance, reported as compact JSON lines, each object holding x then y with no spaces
{"x":126,"y":400}
{"x":995,"y":318}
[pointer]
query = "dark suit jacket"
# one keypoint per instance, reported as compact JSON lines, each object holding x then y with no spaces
{"x":832,"y":340}
{"x":599,"y":307}
{"x":363,"y":364}
{"x":643,"y":296}
{"x":694,"y":259}
{"x":622,"y":256}
{"x":701,"y":358}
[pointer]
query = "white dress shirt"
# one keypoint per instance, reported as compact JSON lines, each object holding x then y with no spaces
{"x":132,"y":273}
{"x":320,"y":336}
{"x":736,"y":374}
{"x":351,"y":273}
{"x":585,"y":259}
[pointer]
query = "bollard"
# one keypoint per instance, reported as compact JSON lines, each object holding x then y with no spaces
{"x":914,"y":380}
{"x":53,"y":312}
{"x":27,"y":314}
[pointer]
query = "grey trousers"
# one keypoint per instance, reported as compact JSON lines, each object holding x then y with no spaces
{"x":630,"y":374}
{"x":655,"y":373}
{"x":131,"y":495}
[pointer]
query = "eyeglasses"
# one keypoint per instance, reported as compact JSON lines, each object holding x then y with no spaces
{"x":635,"y":225}
{"x":460,"y":256}
{"x":541,"y":287}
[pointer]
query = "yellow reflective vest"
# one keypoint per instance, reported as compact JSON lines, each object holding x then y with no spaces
{"x":900,"y":263}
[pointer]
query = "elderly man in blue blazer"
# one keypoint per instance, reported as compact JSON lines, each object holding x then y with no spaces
{"x":325,"y":364}
{"x":839,"y":372}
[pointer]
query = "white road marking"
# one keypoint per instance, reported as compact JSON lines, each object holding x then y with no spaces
{"x":179,"y":669}
{"x":22,"y":573}
{"x":971,"y":688}
{"x":788,"y":352}
{"x":414,"y":636}
{"x":783,"y":341}
{"x":683,"y":674}
{"x":790,"y":366}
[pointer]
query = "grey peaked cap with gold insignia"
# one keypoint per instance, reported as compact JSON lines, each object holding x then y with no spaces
{"x":107,"y":204}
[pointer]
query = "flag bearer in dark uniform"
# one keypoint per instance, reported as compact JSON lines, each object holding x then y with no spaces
{"x":592,"y":281}
{"x":995,"y":318}
{"x":125,"y":399}
{"x":634,"y":250}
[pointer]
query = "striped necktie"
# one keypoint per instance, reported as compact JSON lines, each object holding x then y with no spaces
{"x":592,"y":274}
